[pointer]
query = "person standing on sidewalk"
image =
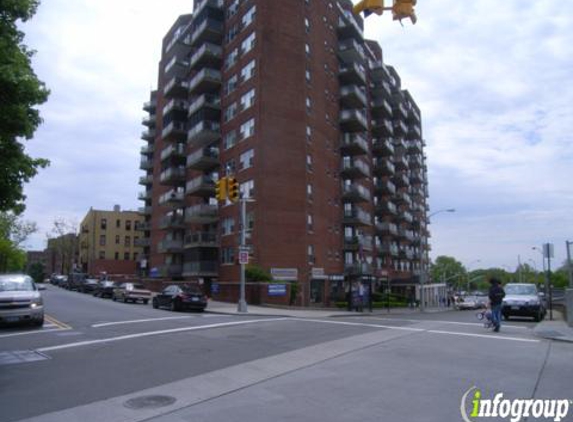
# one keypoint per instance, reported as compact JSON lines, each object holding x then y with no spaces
{"x":496,"y":295}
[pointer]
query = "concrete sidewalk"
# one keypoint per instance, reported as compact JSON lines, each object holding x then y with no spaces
{"x":557,"y":329}
{"x":215,"y":307}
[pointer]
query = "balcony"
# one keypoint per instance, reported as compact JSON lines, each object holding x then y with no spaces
{"x":353,"y":144}
{"x":382,"y":147}
{"x":205,"y":81}
{"x":384,"y":188}
{"x":401,"y":180}
{"x":171,"y":270}
{"x":170,"y":246}
{"x":202,"y":214}
{"x":414,"y":146}
{"x":148,"y":149}
{"x":402,"y":198}
{"x":352,"y":97}
{"x":406,"y":217}
{"x":176,"y":107}
{"x":381,"y":108}
{"x":357,"y":268}
{"x":387,"y":229}
{"x":386,"y":249}
{"x":413,"y":115}
{"x":350,"y":51}
{"x":144,"y":210}
{"x":176,"y":87}
{"x":208,"y":55}
{"x":150,"y":106}
{"x":213,"y":4}
{"x":144,"y":196}
{"x":148,"y":135}
{"x":203,"y":186}
{"x":415,"y":162}
{"x":383,"y":167}
{"x":176,"y":67}
{"x":172,"y":198}
{"x":173,"y":176}
{"x":382,"y":128}
{"x":145,"y":163}
{"x":353,"y":120}
{"x":172,"y":223}
{"x":379,"y":72}
{"x":204,"y":159}
{"x":204,"y":133}
{"x":352,"y":74}
{"x":355,"y":193}
{"x":349,"y":28}
{"x":356,"y":216}
{"x":201,"y":240}
{"x":357,"y":243}
{"x":210,"y":30}
{"x":142,"y":243}
{"x":148,"y":121}
{"x":179,"y":45}
{"x":414,"y":132}
{"x":354,"y":169}
{"x":146,"y":180}
{"x":387,"y":208}
{"x":381,"y":89}
{"x":173,"y":151}
{"x":144,"y":226}
{"x":417,"y":176}
{"x":211,"y":104}
{"x":174,"y":132}
{"x":400,"y":129}
{"x":201,"y":269}
{"x":400,"y":162}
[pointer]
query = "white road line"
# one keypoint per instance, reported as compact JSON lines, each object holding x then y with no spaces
{"x":421,"y":330}
{"x":25,"y":333}
{"x":134,"y":321}
{"x":154,"y":333}
{"x":448,"y":322}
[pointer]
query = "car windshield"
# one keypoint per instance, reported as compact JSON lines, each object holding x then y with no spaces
{"x":191,"y":289}
{"x":520,"y":290}
{"x":16,"y":285}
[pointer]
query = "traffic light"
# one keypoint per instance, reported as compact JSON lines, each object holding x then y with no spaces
{"x":369,"y":7}
{"x":221,"y":189}
{"x":232,"y":189}
{"x":404,"y":9}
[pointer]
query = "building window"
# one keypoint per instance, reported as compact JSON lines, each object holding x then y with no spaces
{"x":135,"y":240}
{"x":307,"y":48}
{"x":306,"y":25}
{"x":231,"y":58}
{"x":117,"y":239}
{"x":101,"y":254}
{"x":127,"y":225}
{"x":232,"y":10}
{"x":230,"y":139}
{"x":135,"y":256}
{"x":249,"y":16}
{"x":127,"y":242}
{"x":307,"y":75}
{"x":126,"y":256}
{"x":248,"y":99}
{"x":116,"y":256}
{"x":308,"y":104}
{"x":248,"y":43}
{"x":228,"y":226}
{"x":248,"y":71}
{"x":250,"y":220}
{"x":230,"y":167}
{"x":232,"y":33}
{"x":311,"y":257}
{"x":246,"y":159}
{"x":247,"y":128}
{"x":228,"y":255}
{"x":309,"y":162}
{"x":118,"y":223}
{"x":247,"y":189}
{"x":102,"y":240}
{"x":231,"y":84}
{"x":230,"y":112}
{"x":308,"y":132}
{"x":309,"y":222}
{"x":103,"y":224}
{"x":309,"y":191}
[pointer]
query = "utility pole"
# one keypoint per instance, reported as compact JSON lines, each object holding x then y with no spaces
{"x":242,"y":306}
{"x":548,"y":253}
{"x":569,"y":269}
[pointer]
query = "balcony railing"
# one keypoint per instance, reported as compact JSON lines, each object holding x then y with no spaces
{"x":201,"y":268}
{"x":356,"y":193}
{"x":201,"y":240}
{"x":202,"y":214}
{"x":353,"y":120}
{"x":204,"y":133}
{"x":352,"y":96}
{"x":205,"y":100}
{"x":203,"y":159}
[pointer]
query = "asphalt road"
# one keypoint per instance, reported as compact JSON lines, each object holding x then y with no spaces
{"x":104,"y":361}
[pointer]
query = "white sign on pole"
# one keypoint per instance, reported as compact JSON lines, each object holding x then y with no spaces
{"x":548,"y":250}
{"x":243,"y":257}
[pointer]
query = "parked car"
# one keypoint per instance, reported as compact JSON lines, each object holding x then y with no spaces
{"x":522,"y":300}
{"x":105,"y":288}
{"x":20,"y":300}
{"x":469,"y":302}
{"x":89,"y":285}
{"x":59,"y":280}
{"x":75,"y":281}
{"x":180,"y":297}
{"x":131,"y":292}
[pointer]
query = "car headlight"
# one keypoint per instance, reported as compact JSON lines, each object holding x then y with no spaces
{"x":36,"y":303}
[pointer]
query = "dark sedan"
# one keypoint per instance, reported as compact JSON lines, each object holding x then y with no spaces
{"x":105,"y":288}
{"x":181,"y":297}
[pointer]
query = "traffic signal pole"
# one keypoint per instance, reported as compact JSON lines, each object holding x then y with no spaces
{"x":242,"y":306}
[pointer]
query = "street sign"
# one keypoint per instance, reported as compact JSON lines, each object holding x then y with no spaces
{"x":243,"y":257}
{"x":548,"y":251}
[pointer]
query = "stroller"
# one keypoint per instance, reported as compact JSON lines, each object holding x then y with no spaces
{"x":486,"y":317}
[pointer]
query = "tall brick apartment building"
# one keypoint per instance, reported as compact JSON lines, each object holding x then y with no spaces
{"x":289,"y":98}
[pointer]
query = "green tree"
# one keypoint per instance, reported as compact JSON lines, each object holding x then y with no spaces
{"x":20,"y":91}
{"x":37,"y":272}
{"x":255,"y":273}
{"x":448,"y":269}
{"x":13,"y":233}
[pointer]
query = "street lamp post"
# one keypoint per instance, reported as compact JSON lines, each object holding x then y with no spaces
{"x":570,"y":270}
{"x":424,"y":258}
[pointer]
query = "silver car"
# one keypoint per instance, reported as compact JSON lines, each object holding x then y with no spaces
{"x":20,"y":300}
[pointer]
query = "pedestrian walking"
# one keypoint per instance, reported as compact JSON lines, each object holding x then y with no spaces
{"x":496,"y":295}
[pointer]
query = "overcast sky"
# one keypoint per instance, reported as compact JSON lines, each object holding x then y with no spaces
{"x":493,"y":80}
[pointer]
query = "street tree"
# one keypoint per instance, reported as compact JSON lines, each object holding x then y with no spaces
{"x":13,"y":233}
{"x":448,"y":269}
{"x":63,"y":244}
{"x":20,"y":92}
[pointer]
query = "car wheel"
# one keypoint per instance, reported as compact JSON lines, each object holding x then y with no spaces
{"x":155,"y":304}
{"x":173,"y":307}
{"x":39,"y":322}
{"x":145,"y":301}
{"x":113,"y":298}
{"x":538,"y":317}
{"x":124,"y":300}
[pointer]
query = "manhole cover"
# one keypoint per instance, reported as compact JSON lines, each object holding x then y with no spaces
{"x":21,"y":356}
{"x":149,"y":402}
